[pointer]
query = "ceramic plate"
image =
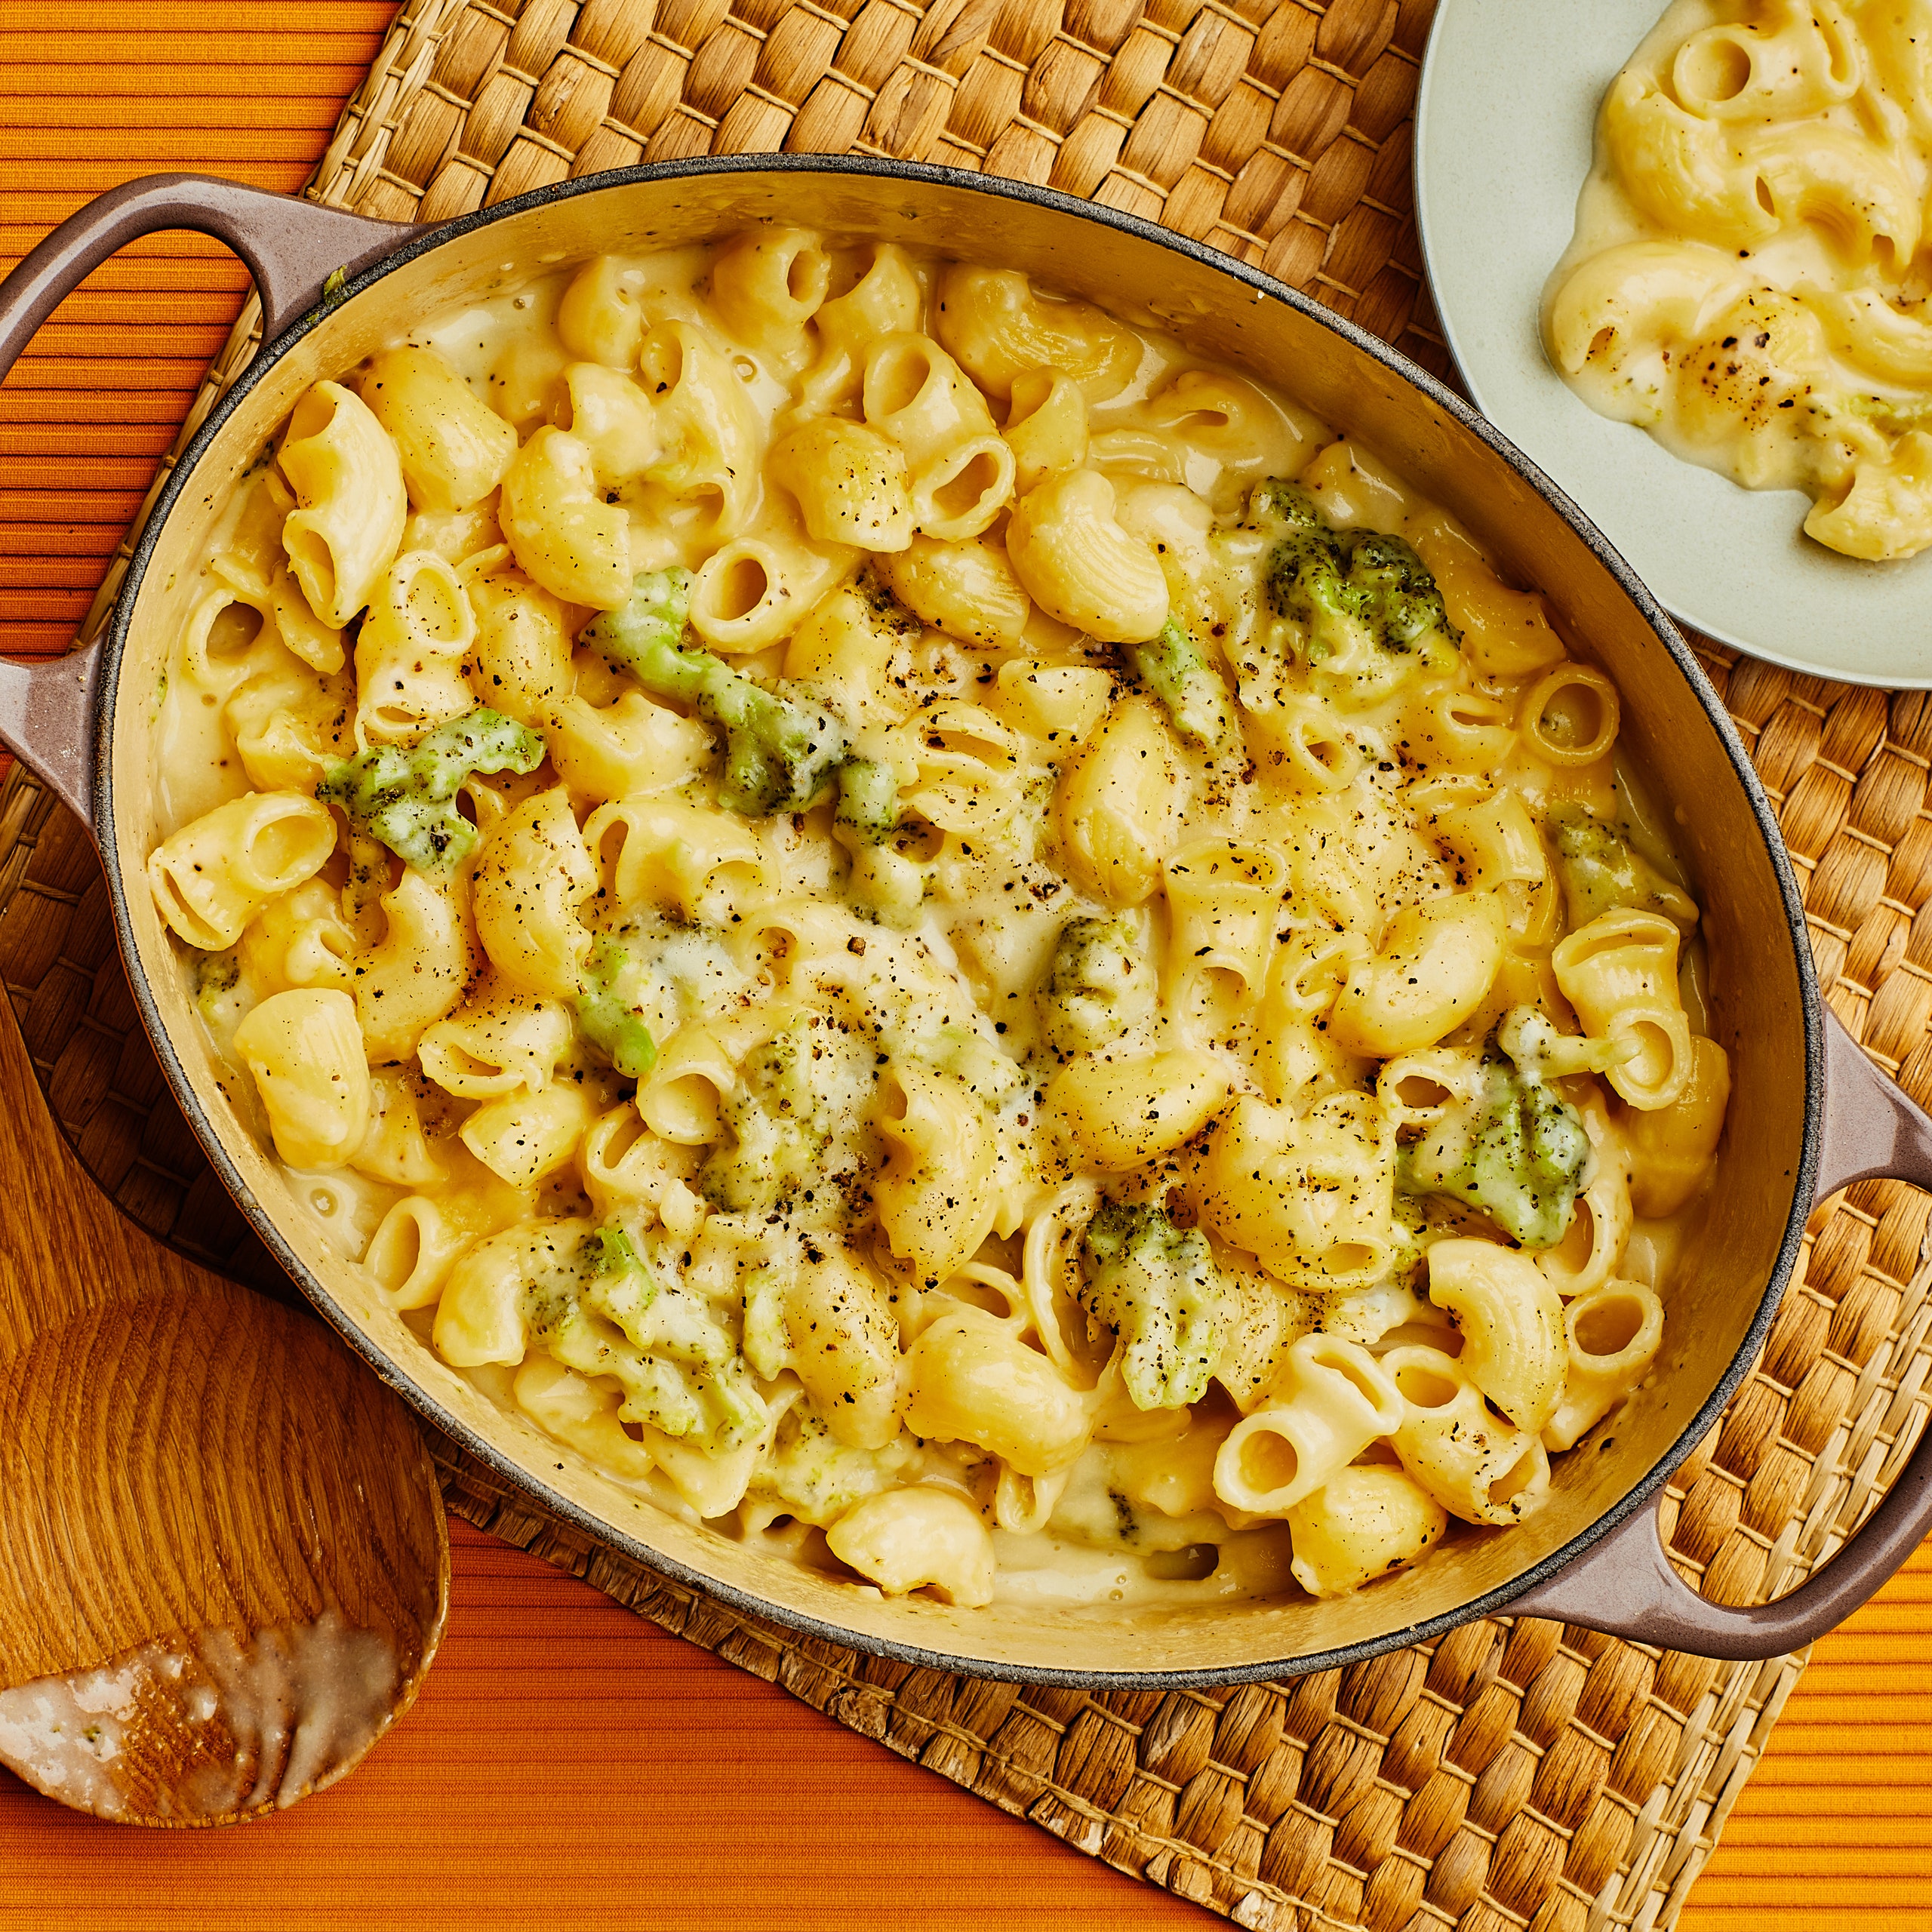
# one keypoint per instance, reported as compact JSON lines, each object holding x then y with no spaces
{"x":1505,"y":122}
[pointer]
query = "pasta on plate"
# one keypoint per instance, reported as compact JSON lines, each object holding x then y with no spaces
{"x":1747,"y":280}
{"x":942,"y":937}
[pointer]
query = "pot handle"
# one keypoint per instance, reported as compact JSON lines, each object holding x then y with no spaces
{"x":1624,"y":1584}
{"x":292,"y":248}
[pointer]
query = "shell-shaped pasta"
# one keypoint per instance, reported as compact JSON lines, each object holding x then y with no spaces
{"x":1046,"y":426}
{"x":1224,"y":898}
{"x":215,"y":875}
{"x":857,"y":648}
{"x":625,"y":1164}
{"x":1465,"y":1455}
{"x":844,"y":1345}
{"x":290,"y":728}
{"x":521,"y":651}
{"x":583,"y":1413}
{"x":1842,"y":184}
{"x":497,"y":1044}
{"x":767,"y":285}
{"x":1502,"y":851}
{"x":1311,"y":969}
{"x":1593,"y":1244}
{"x":416,"y":972}
{"x":607,"y":413}
{"x":412,"y":1249}
{"x":1208,"y":429}
{"x":850,"y":482}
{"x":299,"y":940}
{"x":1057,"y":706}
{"x":1304,"y":743}
{"x":564,"y":535}
{"x":998,"y":327}
{"x":480,"y":1319}
{"x":1506,"y":633}
{"x":453,"y":449}
{"x":1118,"y":804}
{"x":1118,"y":1111}
{"x":967,"y":765}
{"x":629,"y":750}
{"x":396,"y":1150}
{"x":957,"y":494}
{"x":1671,"y":1148}
{"x":1626,"y":299}
{"x":1888,"y":511}
{"x":1311,"y":1196}
{"x":1077,"y":563}
{"x":709,"y":460}
{"x":935,"y":1198}
{"x":1361,"y":1524}
{"x":972,"y":1380}
{"x":1570,"y":716}
{"x":1868,"y":333}
{"x":1807,"y":61}
{"x":409,"y":654}
{"x":305,"y":1051}
{"x":682,"y":1101}
{"x":1614,"y":1333}
{"x":757,"y":587}
{"x":533,"y":874}
{"x":663,"y":852}
{"x":1619,"y":972}
{"x":969,"y":589}
{"x":1682,"y":171}
{"x":599,"y":319}
{"x":886,"y":300}
{"x":919,"y":396}
{"x":348,"y":480}
{"x":1513,"y":1345}
{"x":1332,"y":1401}
{"x":1437,"y":962}
{"x":904,"y":1539}
{"x":522,"y":1137}
{"x":1261,"y":1323}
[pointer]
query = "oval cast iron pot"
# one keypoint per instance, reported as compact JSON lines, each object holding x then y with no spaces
{"x":1809,"y":1112}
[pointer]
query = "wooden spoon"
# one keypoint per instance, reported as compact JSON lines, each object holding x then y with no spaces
{"x":224,"y":1565}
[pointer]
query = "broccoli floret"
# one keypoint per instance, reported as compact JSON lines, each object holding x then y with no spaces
{"x":404,"y":795}
{"x":595,"y":1307}
{"x":868,"y":801}
{"x":611,"y":1022}
{"x":1338,"y":584}
{"x":1099,"y":985}
{"x":1517,"y":1151}
{"x":814,"y":1475}
{"x":1156,"y":1287}
{"x":1276,"y":503}
{"x":1173,"y":667}
{"x":781,"y":750}
{"x":1602,"y":873}
{"x":1349,"y":593}
{"x":798,"y":1119}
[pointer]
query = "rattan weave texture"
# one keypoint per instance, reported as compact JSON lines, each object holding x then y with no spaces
{"x":1516,"y":1773}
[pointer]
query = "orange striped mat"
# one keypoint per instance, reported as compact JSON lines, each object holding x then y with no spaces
{"x":569,"y":1764}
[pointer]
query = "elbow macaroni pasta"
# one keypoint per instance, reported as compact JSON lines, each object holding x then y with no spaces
{"x":881,"y":960}
{"x":1743,"y":275}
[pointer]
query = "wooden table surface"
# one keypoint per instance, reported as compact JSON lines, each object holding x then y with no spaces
{"x":569,"y":1764}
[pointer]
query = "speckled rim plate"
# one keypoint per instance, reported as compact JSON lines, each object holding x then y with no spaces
{"x":1505,"y":122}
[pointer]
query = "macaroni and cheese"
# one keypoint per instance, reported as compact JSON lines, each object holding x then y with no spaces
{"x":1745,"y":280}
{"x":940,"y":935}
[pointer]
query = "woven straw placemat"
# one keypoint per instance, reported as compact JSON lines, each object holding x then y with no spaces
{"x":1517,"y":1772}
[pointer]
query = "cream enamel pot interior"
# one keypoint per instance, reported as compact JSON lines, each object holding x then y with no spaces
{"x":1809,"y":1112}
